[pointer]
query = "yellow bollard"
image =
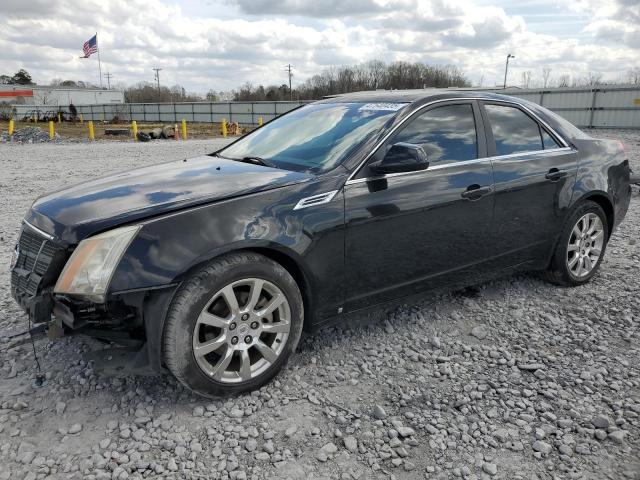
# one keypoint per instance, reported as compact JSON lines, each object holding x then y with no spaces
{"x":59,"y":117}
{"x":91,"y":133}
{"x":11,"y":126}
{"x":260,"y":121}
{"x":184,"y":129}
{"x":81,"y":119}
{"x":224,"y":127}
{"x":35,"y":118}
{"x":134,"y":129}
{"x":52,"y":131}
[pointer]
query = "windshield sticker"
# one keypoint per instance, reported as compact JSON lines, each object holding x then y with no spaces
{"x":382,"y":106}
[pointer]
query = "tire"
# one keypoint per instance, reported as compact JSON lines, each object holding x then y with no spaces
{"x":200,"y":317}
{"x":560,"y":272}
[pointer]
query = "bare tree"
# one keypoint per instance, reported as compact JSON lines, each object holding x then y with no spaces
{"x":634,"y":76}
{"x":526,"y":79}
{"x":546,"y":74}
{"x":564,"y":80}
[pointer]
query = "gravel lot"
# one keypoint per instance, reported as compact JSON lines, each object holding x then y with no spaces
{"x":515,"y":379}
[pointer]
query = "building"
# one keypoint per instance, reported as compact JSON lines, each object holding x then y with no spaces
{"x":57,"y":96}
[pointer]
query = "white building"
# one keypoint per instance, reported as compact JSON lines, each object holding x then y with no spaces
{"x":58,"y":96}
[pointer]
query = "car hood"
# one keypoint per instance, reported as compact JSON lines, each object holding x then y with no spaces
{"x":76,"y":212}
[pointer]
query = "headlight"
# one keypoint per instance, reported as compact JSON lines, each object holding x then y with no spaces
{"x":89,"y":270}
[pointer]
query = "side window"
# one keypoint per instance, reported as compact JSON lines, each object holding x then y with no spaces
{"x":548,"y":141}
{"x":513,"y":130}
{"x":447,"y":134}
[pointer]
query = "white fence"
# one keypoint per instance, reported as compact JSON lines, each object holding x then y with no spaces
{"x":597,"y":107}
{"x":591,"y":107}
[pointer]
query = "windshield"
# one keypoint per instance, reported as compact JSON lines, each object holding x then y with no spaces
{"x":314,"y":138}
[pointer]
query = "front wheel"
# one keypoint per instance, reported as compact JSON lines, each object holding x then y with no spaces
{"x":233,"y":325}
{"x":581,"y":246}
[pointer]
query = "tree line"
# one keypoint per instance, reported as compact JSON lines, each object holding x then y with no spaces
{"x":367,"y":76}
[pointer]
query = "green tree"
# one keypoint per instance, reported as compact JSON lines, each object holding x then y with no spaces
{"x":21,"y":77}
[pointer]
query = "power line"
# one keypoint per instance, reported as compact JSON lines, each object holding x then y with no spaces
{"x":157,"y":77}
{"x":108,"y":77}
{"x":288,"y":69}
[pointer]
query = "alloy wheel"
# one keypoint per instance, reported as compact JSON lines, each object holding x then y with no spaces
{"x":585,"y":245}
{"x":242,"y":330}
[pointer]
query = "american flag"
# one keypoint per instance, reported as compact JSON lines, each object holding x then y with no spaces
{"x":90,"y":46}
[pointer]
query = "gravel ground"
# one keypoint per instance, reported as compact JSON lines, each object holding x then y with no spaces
{"x":514,"y":379}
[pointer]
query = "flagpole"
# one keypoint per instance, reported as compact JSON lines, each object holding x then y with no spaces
{"x":99,"y":64}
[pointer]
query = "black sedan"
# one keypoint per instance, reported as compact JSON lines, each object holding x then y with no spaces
{"x":214,"y":265}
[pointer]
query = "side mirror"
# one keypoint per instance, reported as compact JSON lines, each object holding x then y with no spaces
{"x":401,"y":157}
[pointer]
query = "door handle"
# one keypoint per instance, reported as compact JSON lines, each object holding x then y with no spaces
{"x":555,"y":174}
{"x":475,"y":191}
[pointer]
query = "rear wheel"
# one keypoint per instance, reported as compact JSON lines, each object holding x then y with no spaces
{"x":581,"y":246}
{"x":233,"y":325}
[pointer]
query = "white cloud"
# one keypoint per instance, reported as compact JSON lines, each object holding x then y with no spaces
{"x":233,"y":41}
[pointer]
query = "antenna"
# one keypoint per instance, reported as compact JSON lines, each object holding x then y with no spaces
{"x":157,"y":78}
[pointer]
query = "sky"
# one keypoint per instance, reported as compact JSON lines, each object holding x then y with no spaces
{"x":221,"y":44}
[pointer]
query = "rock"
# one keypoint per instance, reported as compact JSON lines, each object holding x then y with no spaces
{"x":269,"y":447}
{"x":60,"y":408}
{"x":291,"y":431}
{"x":490,"y":468}
{"x":350,"y":443}
{"x":329,"y":448}
{"x":262,"y":456}
{"x":236,"y":413}
{"x":600,"y":422}
{"x":542,"y":447}
{"x":379,"y":413}
{"x":530,"y":367}
{"x":75,"y":428}
{"x":617,"y":436}
{"x":480,"y":332}
{"x":171,"y":465}
{"x":405,"y":431}
{"x":198,"y":411}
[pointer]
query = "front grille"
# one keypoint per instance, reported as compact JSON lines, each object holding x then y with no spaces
{"x":38,"y":257}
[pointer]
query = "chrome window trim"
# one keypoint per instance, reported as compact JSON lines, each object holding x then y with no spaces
{"x":37,"y":230}
{"x":455,"y":164}
{"x":555,"y":134}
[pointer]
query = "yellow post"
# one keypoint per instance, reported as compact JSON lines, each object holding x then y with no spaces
{"x":35,"y":117}
{"x":51,"y":130}
{"x":184,"y":129}
{"x":91,"y":133}
{"x":59,"y":117}
{"x":224,"y":127}
{"x":134,"y":129}
{"x":81,"y":119}
{"x":260,"y":121}
{"x":11,"y":126}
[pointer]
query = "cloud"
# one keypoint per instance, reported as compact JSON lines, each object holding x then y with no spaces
{"x":230,"y":42}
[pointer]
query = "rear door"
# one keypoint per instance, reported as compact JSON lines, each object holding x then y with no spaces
{"x":410,"y":231}
{"x":534,"y":172}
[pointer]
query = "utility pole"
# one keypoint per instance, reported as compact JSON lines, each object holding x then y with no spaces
{"x":157,"y":77}
{"x":288,"y":69}
{"x":108,"y":77}
{"x":506,"y":69}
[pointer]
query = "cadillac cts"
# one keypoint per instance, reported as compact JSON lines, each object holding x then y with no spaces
{"x":214,"y":265}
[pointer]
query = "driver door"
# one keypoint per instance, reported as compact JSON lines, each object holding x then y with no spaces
{"x":407,"y":232}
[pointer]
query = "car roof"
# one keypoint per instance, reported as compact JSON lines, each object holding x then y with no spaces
{"x":411,"y":96}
